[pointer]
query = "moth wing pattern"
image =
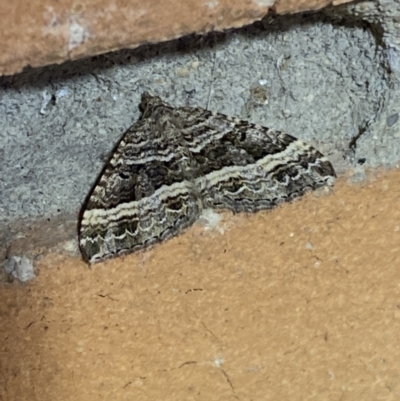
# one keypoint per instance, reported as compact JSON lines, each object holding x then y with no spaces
{"x":173,"y":162}
{"x":142,"y":196}
{"x":246,"y":167}
{"x":255,"y":168}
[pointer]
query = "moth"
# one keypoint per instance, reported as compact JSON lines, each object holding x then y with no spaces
{"x":176,"y":161}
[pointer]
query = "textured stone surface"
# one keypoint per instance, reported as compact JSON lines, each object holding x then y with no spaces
{"x":37,"y":33}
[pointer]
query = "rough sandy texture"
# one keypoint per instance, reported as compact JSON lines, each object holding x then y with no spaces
{"x":299,"y":303}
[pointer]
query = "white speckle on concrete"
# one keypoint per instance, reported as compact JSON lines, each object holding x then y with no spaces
{"x":210,"y":219}
{"x":62,"y":92}
{"x":392,"y":54}
{"x":71,"y":246}
{"x":20,"y":268}
{"x":46,"y":99}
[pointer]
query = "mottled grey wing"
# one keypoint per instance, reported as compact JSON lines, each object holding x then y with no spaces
{"x":246,"y":167}
{"x":142,"y":197}
{"x":175,"y":161}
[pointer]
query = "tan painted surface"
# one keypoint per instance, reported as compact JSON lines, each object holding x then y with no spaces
{"x":302,"y":303}
{"x":40,"y":32}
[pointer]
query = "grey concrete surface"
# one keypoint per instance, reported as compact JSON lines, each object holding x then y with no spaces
{"x":330,"y":81}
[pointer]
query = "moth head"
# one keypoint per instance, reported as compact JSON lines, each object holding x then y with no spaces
{"x":150,"y":104}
